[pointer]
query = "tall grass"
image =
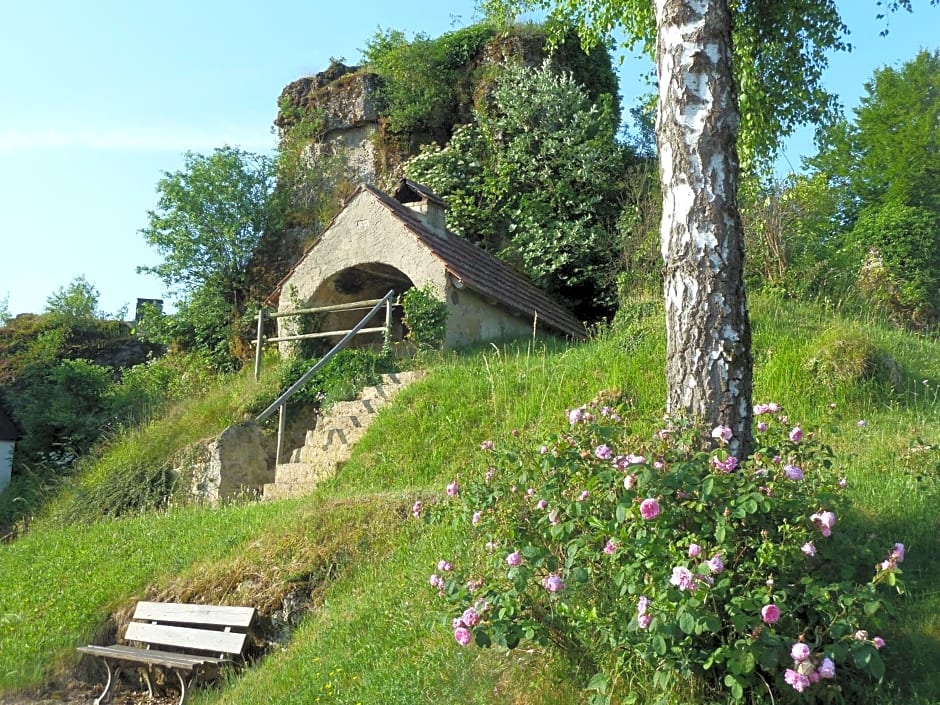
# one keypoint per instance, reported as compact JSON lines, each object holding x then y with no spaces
{"x":375,"y":632}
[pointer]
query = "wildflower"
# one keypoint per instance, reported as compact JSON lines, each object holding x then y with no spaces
{"x":658,"y":465}
{"x":808,"y":548}
{"x":861,"y":635}
{"x":629,"y":482}
{"x":715,"y":564}
{"x":462,"y":636}
{"x":796,"y":434}
{"x":827,"y":669}
{"x":727,"y":465}
{"x":796,"y":679}
{"x":771,"y":408}
{"x":800,"y":652}
{"x":793,"y":472}
{"x":682,"y":578}
{"x":514,"y":559}
{"x":770,"y":614}
{"x":643,"y":621}
{"x":486,"y":445}
{"x":610,"y":547}
{"x":490,"y":474}
{"x":722,"y":433}
{"x":541,"y":504}
{"x":824,"y":521}
{"x":530,"y":493}
{"x":444,"y":566}
{"x":477,"y":516}
{"x":649,"y":509}
{"x":642,"y":604}
{"x":470,"y":617}
{"x":436,"y":581}
{"x":453,"y":489}
{"x":843,"y":483}
{"x":543,"y":450}
{"x":762,"y":426}
{"x":553,"y":517}
{"x":553,"y":583}
{"x":898,"y":553}
{"x":878,"y":642}
{"x":584,"y":495}
{"x":575,"y":416}
{"x":694,"y":550}
{"x":861,"y":423}
{"x":416,"y":509}
{"x":603,"y":452}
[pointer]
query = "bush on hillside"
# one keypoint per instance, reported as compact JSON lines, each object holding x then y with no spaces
{"x":665,"y":561}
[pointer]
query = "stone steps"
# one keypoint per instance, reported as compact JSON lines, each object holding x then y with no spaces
{"x":330,"y":444}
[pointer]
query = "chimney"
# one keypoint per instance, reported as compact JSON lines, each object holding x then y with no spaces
{"x":424,"y":202}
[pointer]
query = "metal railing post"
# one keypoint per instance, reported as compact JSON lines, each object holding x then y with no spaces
{"x":388,"y":325}
{"x":281,"y":425}
{"x":258,"y":342}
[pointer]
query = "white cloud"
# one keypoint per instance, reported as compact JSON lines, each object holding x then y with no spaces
{"x":143,"y":138}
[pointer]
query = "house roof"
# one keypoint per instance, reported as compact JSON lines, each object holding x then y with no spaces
{"x":469,"y":265}
{"x":9,"y":429}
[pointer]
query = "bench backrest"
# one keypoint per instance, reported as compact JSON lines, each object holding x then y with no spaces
{"x":199,"y":627}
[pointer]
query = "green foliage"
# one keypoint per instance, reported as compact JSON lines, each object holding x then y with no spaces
{"x":904,"y":243}
{"x":209,"y":218}
{"x":5,"y":314}
{"x":779,"y":57}
{"x":341,"y":379}
{"x":638,"y":556}
{"x":77,"y":301}
{"x":882,"y":175}
{"x":536,"y":179}
{"x":425,"y":80}
{"x":425,"y":317}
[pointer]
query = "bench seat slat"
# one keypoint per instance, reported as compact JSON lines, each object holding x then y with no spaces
{"x":208,"y":615}
{"x":186,"y":637}
{"x":151,"y":656}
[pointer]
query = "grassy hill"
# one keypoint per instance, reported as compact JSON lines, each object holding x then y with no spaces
{"x":340,"y":576}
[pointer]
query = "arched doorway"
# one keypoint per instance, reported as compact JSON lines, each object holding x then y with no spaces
{"x":363,"y":282}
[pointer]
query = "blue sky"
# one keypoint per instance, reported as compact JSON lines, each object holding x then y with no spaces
{"x":99,"y":98}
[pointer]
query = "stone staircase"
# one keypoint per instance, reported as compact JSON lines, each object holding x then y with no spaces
{"x":330,"y":444}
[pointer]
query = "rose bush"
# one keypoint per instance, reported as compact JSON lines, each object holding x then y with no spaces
{"x":673,"y":554}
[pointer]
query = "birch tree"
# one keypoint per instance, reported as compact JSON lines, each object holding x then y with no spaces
{"x":735,"y":77}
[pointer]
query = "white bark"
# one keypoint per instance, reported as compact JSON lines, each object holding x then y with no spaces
{"x":709,"y":366}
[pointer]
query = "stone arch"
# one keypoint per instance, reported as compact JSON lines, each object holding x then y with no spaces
{"x":360,"y":282}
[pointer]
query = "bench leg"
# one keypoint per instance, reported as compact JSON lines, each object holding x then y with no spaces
{"x":113,"y":673}
{"x":183,"y":685}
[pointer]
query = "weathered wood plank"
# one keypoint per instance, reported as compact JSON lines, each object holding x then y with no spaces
{"x":155,"y":657}
{"x":186,"y":637}
{"x":209,"y":615}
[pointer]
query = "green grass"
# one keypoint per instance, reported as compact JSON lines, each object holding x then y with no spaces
{"x":375,"y":631}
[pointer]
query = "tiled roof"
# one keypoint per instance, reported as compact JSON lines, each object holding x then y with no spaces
{"x":483,"y":273}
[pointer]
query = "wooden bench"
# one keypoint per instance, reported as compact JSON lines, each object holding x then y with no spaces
{"x":196,"y":641}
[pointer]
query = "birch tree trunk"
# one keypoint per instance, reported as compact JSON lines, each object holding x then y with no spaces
{"x":708,"y":364}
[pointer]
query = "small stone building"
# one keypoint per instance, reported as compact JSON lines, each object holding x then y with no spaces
{"x":9,"y":435}
{"x":378,"y":242}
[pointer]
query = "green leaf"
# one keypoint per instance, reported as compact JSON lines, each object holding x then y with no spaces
{"x":872,"y":607}
{"x":598,"y":682}
{"x":659,"y":645}
{"x":686,"y":623}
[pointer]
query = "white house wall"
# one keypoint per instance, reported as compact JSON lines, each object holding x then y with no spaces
{"x":471,"y":319}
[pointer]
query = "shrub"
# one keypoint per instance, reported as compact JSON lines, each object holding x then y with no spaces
{"x":847,"y":356}
{"x":425,"y":317}
{"x":669,"y":559}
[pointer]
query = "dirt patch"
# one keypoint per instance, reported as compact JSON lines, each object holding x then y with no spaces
{"x":85,"y":693}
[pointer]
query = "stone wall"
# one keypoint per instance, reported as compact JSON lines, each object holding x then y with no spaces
{"x":232,"y":464}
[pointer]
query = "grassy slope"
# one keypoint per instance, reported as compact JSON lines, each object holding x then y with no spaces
{"x":375,"y":635}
